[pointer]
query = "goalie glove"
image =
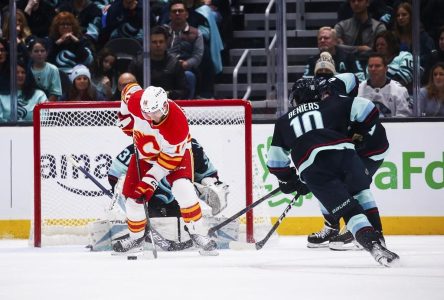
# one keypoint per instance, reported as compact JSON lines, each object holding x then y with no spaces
{"x":145,"y":188}
{"x":126,"y":123}
{"x":292,"y":183}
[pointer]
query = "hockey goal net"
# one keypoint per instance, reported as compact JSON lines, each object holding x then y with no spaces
{"x":66,"y":200}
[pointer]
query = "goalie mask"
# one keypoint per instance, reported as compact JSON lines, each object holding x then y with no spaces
{"x":153,"y":99}
{"x":304,"y":90}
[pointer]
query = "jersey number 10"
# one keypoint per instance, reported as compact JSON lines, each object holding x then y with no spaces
{"x":306,"y":122}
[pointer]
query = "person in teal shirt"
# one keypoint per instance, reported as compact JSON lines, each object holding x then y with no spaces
{"x":27,"y":96}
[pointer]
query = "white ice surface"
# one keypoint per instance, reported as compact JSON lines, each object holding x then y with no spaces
{"x":285,"y":269}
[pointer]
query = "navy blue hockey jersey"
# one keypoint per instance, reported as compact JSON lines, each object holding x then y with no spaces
{"x":309,"y":128}
{"x":375,"y":145}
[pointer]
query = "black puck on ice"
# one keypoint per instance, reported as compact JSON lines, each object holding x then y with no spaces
{"x":132,"y":257}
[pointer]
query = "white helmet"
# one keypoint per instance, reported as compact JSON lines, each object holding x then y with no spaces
{"x":153,"y":99}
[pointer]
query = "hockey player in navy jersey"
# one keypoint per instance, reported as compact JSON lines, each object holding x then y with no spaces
{"x":372,"y":148}
{"x":315,"y":134}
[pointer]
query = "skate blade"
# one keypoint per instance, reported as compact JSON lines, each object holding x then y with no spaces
{"x":313,"y":246}
{"x":393,"y":264}
{"x":235,"y":245}
{"x":344,"y":247}
{"x":208,"y":253}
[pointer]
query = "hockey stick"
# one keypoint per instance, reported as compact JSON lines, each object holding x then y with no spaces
{"x":245,"y":246}
{"x":213,"y":229}
{"x":87,"y":174}
{"x":163,"y":243}
{"x":148,"y":227}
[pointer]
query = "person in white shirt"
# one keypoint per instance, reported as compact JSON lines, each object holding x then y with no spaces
{"x":391,"y":98}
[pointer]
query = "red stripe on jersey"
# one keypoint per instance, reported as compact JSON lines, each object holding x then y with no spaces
{"x":169,"y":162}
{"x":136,"y":226}
{"x":192,"y":213}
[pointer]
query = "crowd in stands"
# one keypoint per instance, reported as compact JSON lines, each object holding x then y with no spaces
{"x":373,"y":40}
{"x":67,"y":51}
{"x":77,"y":49}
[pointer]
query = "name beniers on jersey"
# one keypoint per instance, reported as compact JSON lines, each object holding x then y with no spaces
{"x":303,"y":108}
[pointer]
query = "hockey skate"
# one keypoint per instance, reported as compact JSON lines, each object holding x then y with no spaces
{"x":214,"y":194}
{"x":370,"y":240}
{"x":129,"y":245}
{"x":321,"y":238}
{"x":381,"y":238}
{"x":383,"y":256}
{"x":208,"y":247}
{"x":343,"y":242}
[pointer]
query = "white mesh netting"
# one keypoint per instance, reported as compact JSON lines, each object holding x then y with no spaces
{"x":69,"y":200}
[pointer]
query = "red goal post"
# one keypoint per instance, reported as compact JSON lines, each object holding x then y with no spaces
{"x":65,"y":201}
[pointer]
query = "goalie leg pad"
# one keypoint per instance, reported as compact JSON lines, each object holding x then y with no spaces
{"x":226,"y":234}
{"x":99,"y":233}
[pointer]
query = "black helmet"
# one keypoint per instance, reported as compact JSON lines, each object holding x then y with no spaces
{"x":304,"y":90}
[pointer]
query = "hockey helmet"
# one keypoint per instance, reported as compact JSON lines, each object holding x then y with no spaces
{"x":304,"y":90}
{"x":153,"y":99}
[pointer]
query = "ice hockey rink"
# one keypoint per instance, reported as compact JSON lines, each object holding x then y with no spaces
{"x":283,"y":269}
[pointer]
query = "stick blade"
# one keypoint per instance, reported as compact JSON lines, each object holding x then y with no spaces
{"x":235,"y":245}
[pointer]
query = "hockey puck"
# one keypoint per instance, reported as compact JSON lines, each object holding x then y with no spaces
{"x":132,"y":257}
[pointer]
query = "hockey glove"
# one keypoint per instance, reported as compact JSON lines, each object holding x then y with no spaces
{"x":145,"y":188}
{"x":126,"y":123}
{"x":293,"y":184}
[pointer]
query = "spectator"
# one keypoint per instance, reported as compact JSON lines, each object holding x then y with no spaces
{"x":4,"y":67}
{"x":124,"y":19}
{"x":104,"y":72}
{"x":344,"y":62}
{"x":27,"y":96}
{"x":403,"y":32}
{"x":224,"y":19}
{"x":358,"y":32}
{"x":123,"y":80}
{"x":431,"y":97}
{"x":45,"y":74}
{"x":88,"y":15}
{"x":23,"y":34}
{"x":23,"y":30}
{"x":68,"y":46}
{"x":82,"y":89}
{"x":186,"y":43}
{"x":390,"y":97}
{"x":378,"y":9}
{"x":325,"y":66}
{"x":212,"y":59}
{"x":434,"y":57}
{"x":400,"y":63}
{"x":39,"y":15}
{"x":166,"y":71}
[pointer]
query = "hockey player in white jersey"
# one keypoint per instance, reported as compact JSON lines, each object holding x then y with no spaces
{"x":210,"y":189}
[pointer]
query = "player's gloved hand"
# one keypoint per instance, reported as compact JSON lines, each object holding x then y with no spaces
{"x":292,"y":183}
{"x":126,"y":123}
{"x":360,"y":141}
{"x":145,"y":188}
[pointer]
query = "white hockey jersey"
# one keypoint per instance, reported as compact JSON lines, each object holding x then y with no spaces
{"x":392,"y":100}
